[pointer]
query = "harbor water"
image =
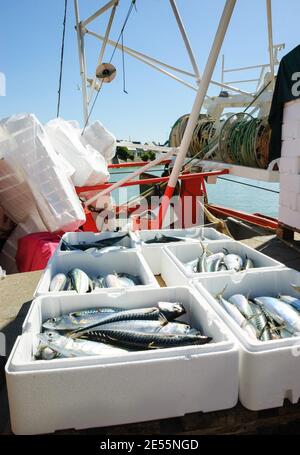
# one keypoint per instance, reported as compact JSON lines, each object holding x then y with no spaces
{"x":232,"y":193}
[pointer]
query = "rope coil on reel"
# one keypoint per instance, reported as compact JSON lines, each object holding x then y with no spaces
{"x":240,"y":139}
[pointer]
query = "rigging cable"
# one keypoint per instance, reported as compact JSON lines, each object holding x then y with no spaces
{"x":112,"y":56}
{"x":248,"y":184}
{"x":62,"y":58}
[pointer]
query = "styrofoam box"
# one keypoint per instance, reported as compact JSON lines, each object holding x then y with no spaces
{"x":290,"y":182}
{"x":174,"y":258}
{"x":289,"y":165}
{"x":291,"y":111}
{"x":289,"y":217}
{"x":75,"y":238}
{"x":269,"y":370}
{"x":290,"y":148}
{"x":126,"y":261}
{"x":152,"y":252}
{"x":291,"y":129}
{"x":290,"y":200}
{"x":45,"y":396}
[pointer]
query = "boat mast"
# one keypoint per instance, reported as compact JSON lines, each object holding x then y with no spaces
{"x":203,"y":86}
{"x":82,"y":63}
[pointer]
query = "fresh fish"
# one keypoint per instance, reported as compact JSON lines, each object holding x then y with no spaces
{"x":147,"y":340}
{"x":260,"y":322}
{"x":80,"y":281}
{"x":217,"y":265}
{"x":91,"y":285}
{"x":241,"y":302}
{"x":161,"y":238}
{"x":285,"y":311}
{"x":142,"y":326}
{"x":170,"y":310}
{"x":68,"y":286}
{"x":295,"y":303}
{"x":67,"y":347}
{"x":109,"y":249}
{"x":99,"y":282}
{"x":212,"y":259}
{"x":121,"y":280}
{"x":222,"y":267}
{"x":237,"y":316}
{"x":58,"y":282}
{"x":79,"y":319}
{"x":65,"y":246}
{"x":233,"y":262}
{"x":140,"y":315}
{"x":191,"y":266}
{"x":249,"y":264}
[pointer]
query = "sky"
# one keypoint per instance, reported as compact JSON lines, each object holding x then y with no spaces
{"x":30,"y":44}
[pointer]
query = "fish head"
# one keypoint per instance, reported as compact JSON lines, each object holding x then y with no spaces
{"x":175,"y":309}
{"x":49,"y":336}
{"x":52,"y":323}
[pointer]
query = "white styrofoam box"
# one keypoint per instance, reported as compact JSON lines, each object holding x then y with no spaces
{"x":288,"y":199}
{"x":90,"y":166}
{"x":152,"y":252}
{"x":289,"y":217}
{"x":289,"y":165}
{"x":101,"y":139}
{"x":94,"y":264}
{"x":32,"y":154}
{"x":291,"y":129}
{"x":15,"y":195}
{"x":45,"y":396}
{"x":290,"y":148}
{"x":76,"y":238}
{"x":174,"y":258}
{"x":269,"y":370}
{"x":291,"y":111}
{"x":290,"y":182}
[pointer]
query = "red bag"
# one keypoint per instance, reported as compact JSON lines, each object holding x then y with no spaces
{"x":35,"y":250}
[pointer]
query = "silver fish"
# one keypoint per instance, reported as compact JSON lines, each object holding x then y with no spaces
{"x":80,"y":280}
{"x":212,"y":259}
{"x":143,"y":340}
{"x":99,"y":282}
{"x":249,"y":264}
{"x":120,"y":280}
{"x":285,"y":311}
{"x":260,"y":322}
{"x":171,"y":310}
{"x":79,"y":319}
{"x":241,"y":302}
{"x":58,"y":282}
{"x":144,"y":326}
{"x":233,"y":262}
{"x":238,"y":317}
{"x":67,"y":347}
{"x":295,"y":303}
{"x":191,"y":266}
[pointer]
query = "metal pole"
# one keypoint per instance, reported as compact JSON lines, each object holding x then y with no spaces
{"x":103,"y":47}
{"x":144,"y":58}
{"x":223,"y":67}
{"x":185,"y":39}
{"x":98,"y":13}
{"x":131,"y":176}
{"x":188,"y":134}
{"x":270,"y":38}
{"x":81,"y":54}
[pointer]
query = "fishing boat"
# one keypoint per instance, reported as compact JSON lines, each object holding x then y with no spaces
{"x":225,"y":136}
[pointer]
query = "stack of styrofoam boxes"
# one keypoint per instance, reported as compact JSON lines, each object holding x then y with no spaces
{"x":289,"y":209}
{"x":269,"y":370}
{"x":175,"y":257}
{"x":153,"y":252}
{"x":45,"y":396}
{"x":96,"y":262}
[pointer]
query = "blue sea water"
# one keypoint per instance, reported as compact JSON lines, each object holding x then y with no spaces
{"x":227,"y":193}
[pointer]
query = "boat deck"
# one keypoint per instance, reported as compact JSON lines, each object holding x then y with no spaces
{"x":16,"y":294}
